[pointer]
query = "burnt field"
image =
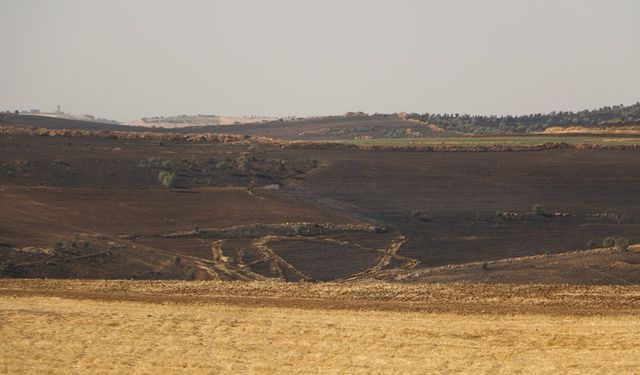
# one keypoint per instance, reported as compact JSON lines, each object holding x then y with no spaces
{"x":94,"y":207}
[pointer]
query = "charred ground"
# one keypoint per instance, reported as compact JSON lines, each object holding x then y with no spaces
{"x":97,"y":207}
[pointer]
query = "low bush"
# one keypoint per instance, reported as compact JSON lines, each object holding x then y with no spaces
{"x":167,"y":179}
{"x":608,"y":242}
{"x":620,"y":243}
{"x":167,"y":164}
{"x":538,"y":210}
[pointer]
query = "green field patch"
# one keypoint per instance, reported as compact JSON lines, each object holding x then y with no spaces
{"x":501,"y":140}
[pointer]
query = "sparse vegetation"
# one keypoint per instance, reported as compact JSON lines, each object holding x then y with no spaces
{"x":619,"y":243}
{"x":608,"y":242}
{"x":167,"y":164}
{"x":622,"y":244}
{"x":15,"y":168}
{"x":167,"y":179}
{"x":491,"y":143}
{"x":284,"y":229}
{"x":244,"y":170}
{"x":538,"y":210}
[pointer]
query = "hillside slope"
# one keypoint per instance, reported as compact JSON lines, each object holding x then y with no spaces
{"x":320,"y":128}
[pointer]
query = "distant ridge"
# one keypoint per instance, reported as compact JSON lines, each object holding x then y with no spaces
{"x":359,"y":125}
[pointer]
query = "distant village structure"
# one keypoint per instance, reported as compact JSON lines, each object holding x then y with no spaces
{"x":58,"y":113}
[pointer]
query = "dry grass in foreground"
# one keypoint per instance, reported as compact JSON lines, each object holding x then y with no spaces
{"x":178,"y":327}
{"x":43,"y":334}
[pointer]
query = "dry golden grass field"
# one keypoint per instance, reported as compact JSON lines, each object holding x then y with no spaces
{"x":272,"y":327}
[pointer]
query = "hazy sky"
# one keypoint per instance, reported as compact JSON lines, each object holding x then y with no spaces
{"x":127,"y":59}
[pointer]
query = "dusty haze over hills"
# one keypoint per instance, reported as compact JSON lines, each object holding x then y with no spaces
{"x":124,"y":60}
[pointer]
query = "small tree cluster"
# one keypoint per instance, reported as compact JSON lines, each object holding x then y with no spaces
{"x":617,"y":114}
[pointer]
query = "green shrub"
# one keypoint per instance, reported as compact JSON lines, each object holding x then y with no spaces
{"x":299,"y":229}
{"x":538,"y":210}
{"x":619,"y":243}
{"x":608,"y":242}
{"x":167,"y":179}
{"x":622,"y":244}
{"x":167,"y":164}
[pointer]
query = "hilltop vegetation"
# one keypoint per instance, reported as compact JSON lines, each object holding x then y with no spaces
{"x":477,"y":124}
{"x":361,"y":126}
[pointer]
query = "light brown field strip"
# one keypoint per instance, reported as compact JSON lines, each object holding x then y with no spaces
{"x":453,"y":298}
